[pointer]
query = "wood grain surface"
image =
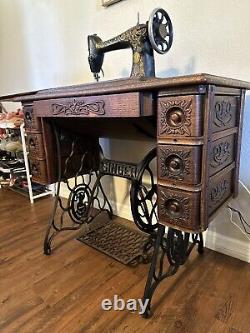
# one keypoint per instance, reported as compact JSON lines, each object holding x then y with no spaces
{"x":63,"y":293}
{"x":115,"y":105}
{"x":127,"y":85}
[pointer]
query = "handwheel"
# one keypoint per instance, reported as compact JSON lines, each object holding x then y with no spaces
{"x":143,"y":195}
{"x":160,"y":31}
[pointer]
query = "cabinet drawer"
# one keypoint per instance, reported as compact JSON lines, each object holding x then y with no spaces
{"x":180,"y":116}
{"x":38,"y":170}
{"x":219,"y":190}
{"x":35,"y":146}
{"x":32,"y":123}
{"x":224,"y":113}
{"x":179,"y":208}
{"x":179,"y":163}
{"x":221,"y":154}
{"x":117,"y":105}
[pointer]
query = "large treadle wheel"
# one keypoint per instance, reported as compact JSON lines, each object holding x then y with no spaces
{"x":143,"y":195}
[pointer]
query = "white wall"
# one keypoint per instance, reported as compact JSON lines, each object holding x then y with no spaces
{"x":43,"y":44}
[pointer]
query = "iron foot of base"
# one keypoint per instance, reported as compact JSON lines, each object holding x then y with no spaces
{"x":147,"y":313}
{"x":176,"y":248}
{"x":47,"y":250}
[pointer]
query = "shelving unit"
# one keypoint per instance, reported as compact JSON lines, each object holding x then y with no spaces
{"x":30,"y":191}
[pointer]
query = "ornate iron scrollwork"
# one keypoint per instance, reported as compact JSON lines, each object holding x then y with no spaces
{"x":176,"y":248}
{"x":143,"y":195}
{"x":79,"y":209}
{"x":84,"y":196}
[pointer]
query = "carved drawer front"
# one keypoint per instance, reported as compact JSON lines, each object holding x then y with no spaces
{"x":224,"y":113}
{"x":220,"y":189}
{"x":179,"y":208}
{"x":180,"y":116}
{"x":221,"y":154}
{"x":38,"y":170}
{"x":32,"y":123}
{"x":179,"y":163}
{"x":117,"y":105}
{"x":35,"y":146}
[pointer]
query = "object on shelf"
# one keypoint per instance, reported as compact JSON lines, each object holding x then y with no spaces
{"x":4,"y":167}
{"x":4,"y":182}
{"x":13,"y":146}
{"x":21,"y":186}
{"x":14,"y":164}
{"x":10,"y":140}
{"x":11,"y":119}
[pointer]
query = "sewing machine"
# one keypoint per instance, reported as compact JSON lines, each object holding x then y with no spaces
{"x":195,"y":121}
{"x":156,"y":34}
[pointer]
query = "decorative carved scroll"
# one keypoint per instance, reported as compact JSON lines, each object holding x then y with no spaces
{"x":218,"y":192}
{"x":222,"y":113}
{"x":220,"y":154}
{"x":175,"y":117}
{"x":79,"y":107}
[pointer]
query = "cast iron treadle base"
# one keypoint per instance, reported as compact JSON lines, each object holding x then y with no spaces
{"x":127,"y":245}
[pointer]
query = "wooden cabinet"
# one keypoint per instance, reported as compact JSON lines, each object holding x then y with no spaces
{"x":198,"y":153}
{"x":180,"y":116}
{"x":195,"y":121}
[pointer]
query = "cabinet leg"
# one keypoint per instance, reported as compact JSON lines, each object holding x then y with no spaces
{"x":176,"y":247}
{"x":79,"y":207}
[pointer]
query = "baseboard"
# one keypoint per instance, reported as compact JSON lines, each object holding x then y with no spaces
{"x":230,"y":246}
{"x":213,"y":240}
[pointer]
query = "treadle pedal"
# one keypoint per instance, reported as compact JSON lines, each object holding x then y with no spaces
{"x":120,"y":242}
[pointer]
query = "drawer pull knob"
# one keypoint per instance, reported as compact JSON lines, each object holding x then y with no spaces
{"x":174,"y":208}
{"x":28,"y":116}
{"x":174,"y":164}
{"x":32,"y":144}
{"x":34,"y":169}
{"x":175,"y":117}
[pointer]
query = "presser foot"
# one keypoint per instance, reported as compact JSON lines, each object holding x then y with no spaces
{"x":174,"y":247}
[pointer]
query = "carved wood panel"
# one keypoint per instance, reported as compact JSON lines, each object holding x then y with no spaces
{"x":221,"y":154}
{"x":224,"y":113}
{"x":35,"y":145}
{"x":123,"y":105}
{"x":32,"y":123}
{"x":180,"y":116}
{"x":179,"y":163}
{"x":220,"y":188}
{"x":39,"y":171}
{"x":178,"y":208}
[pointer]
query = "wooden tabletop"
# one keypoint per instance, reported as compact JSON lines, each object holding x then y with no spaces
{"x":126,"y":85}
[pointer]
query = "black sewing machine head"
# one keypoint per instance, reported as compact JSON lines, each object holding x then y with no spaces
{"x":156,"y":34}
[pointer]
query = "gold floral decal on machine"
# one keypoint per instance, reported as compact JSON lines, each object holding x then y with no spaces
{"x":79,"y":107}
{"x":175,"y":117}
